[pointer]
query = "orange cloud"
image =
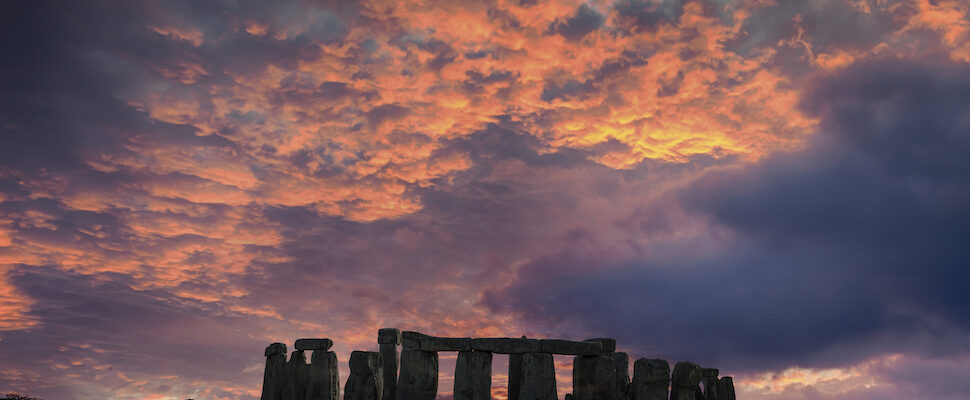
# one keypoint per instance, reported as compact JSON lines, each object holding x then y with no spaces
{"x":14,"y":306}
{"x":949,"y":18}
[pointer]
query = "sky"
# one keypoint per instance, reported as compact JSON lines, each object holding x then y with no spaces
{"x":776,"y":188}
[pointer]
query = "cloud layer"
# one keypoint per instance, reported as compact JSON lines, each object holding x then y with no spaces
{"x":779,"y":189}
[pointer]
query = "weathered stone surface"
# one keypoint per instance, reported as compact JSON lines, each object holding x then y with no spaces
{"x":609,"y":344}
{"x":389,"y":335}
{"x":651,"y":378}
{"x":419,"y":341}
{"x":652,"y":370}
{"x":418,"y":379}
{"x":621,"y":365}
{"x":594,"y":378}
{"x":366,"y":381}
{"x":297,"y":375}
{"x":275,"y":348}
{"x":686,"y":374}
{"x":506,"y":345}
{"x":709,"y":382}
{"x":365,"y":361}
{"x":390,"y":359}
{"x":725,"y":388}
{"x":570,"y":347}
{"x":324,"y":383}
{"x":685,"y":378}
{"x":473,"y":376}
{"x":274,"y":376}
{"x":538,"y":377}
{"x":313,"y":344}
{"x":515,"y":376}
{"x":698,"y":393}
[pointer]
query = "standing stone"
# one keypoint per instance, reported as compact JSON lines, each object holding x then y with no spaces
{"x":418,"y":379}
{"x":651,"y":377}
{"x":389,"y":338}
{"x":515,"y":375}
{"x":725,"y":388}
{"x":698,"y":393}
{"x":366,"y":381}
{"x":594,"y":378}
{"x":684,"y":381}
{"x":473,"y":376}
{"x":324,"y":381}
{"x":538,"y":377}
{"x":274,"y":376}
{"x":621,"y":364}
{"x":709,"y":381}
{"x":298,"y":375}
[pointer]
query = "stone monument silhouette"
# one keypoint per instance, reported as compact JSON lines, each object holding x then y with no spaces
{"x":599,"y":371}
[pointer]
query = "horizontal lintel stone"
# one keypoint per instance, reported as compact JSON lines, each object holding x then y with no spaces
{"x":506,"y":345}
{"x":570,"y":347}
{"x":389,"y":335}
{"x":420,"y":341}
{"x":313,"y":344}
{"x":609,"y":344}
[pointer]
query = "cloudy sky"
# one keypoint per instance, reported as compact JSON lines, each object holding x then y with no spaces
{"x":777,"y":188}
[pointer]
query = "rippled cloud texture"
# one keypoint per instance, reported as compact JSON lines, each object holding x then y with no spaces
{"x":780,"y":189}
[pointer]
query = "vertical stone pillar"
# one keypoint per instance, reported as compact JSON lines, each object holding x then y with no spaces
{"x":473,"y":376}
{"x":389,"y":339}
{"x":515,"y":375}
{"x":594,"y":378}
{"x":324,"y":383}
{"x":366,"y":380}
{"x":418,"y":379}
{"x":709,"y":381}
{"x":298,"y":375}
{"x":684,"y":381}
{"x":621,"y":363}
{"x":651,"y":378}
{"x":274,"y":376}
{"x":725,"y":388}
{"x":538,"y":377}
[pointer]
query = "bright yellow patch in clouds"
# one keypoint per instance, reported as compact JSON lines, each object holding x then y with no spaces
{"x":826,"y":382}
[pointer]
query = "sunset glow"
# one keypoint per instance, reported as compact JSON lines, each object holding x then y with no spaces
{"x":778,"y":188}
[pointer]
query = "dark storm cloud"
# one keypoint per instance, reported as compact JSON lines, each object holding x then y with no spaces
{"x":62,"y":82}
{"x":47,"y":97}
{"x":386,"y":112}
{"x":853,"y":247}
{"x":585,"y":21}
{"x":566,"y":90}
{"x":826,"y":24}
{"x":646,"y":14}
